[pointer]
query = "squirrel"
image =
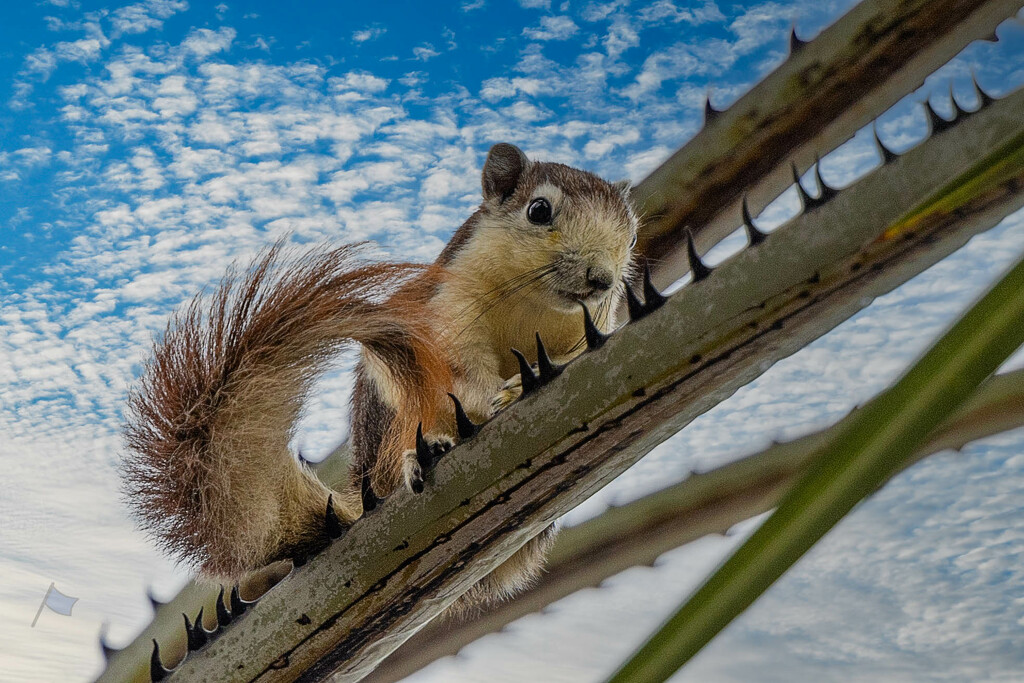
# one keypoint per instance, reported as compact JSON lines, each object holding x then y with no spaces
{"x":207,"y":468}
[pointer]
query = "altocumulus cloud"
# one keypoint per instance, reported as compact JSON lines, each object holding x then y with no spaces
{"x":167,"y":151}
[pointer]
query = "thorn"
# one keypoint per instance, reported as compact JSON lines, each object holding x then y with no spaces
{"x":423,"y":455}
{"x":238,"y":605}
{"x":754,"y":236}
{"x":334,"y":529}
{"x":991,"y":38}
{"x":595,"y":337}
{"x":710,"y":113}
{"x":635,"y":306}
{"x":983,"y":97}
{"x":463,"y":425}
{"x":937,"y":123}
{"x":529,"y":381}
{"x":157,"y":672}
{"x":653,"y":299}
{"x":108,"y":651}
{"x":547,"y":370}
{"x":697,"y":267}
{"x":368,"y":495}
{"x":195,"y":637}
{"x":825,"y":193}
{"x":223,"y":615}
{"x":156,"y":604}
{"x":795,"y":44}
{"x":806,"y":201}
{"x":887,"y":155}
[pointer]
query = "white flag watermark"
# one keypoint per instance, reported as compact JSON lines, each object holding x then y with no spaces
{"x":56,"y":601}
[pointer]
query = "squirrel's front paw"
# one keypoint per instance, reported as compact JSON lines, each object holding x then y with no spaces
{"x":416,"y":465}
{"x":511,"y":390}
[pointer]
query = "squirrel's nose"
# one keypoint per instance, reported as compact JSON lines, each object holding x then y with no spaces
{"x":600,"y":278}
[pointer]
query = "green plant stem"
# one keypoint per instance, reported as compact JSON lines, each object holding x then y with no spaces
{"x":854,"y":463}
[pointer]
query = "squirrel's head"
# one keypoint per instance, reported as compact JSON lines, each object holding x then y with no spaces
{"x":551,"y":232}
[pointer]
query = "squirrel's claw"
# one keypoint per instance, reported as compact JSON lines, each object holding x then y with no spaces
{"x":417,"y":461}
{"x":510,"y":391}
{"x":423,"y":455}
{"x":412,"y":472}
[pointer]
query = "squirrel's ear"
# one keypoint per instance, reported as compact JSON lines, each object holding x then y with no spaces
{"x":504,"y":166}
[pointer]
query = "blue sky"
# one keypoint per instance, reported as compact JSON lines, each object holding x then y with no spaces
{"x":144,"y":146}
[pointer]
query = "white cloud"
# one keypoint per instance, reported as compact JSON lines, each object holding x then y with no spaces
{"x":203,"y":42}
{"x":494,"y":89}
{"x":43,"y":61}
{"x":597,"y":11}
{"x":31,"y":156}
{"x":621,"y":36}
{"x":526,"y":112}
{"x":369,"y":33}
{"x":760,"y":23}
{"x":144,"y":16}
{"x":439,"y":184}
{"x":601,"y":145}
{"x":552,"y":28}
{"x":129,"y":19}
{"x":643,"y":163}
{"x":674,"y":63}
{"x":84,"y":50}
{"x":424,"y":52}
{"x":666,"y":10}
{"x":361,"y":81}
{"x":413,"y":79}
{"x":40,"y":63}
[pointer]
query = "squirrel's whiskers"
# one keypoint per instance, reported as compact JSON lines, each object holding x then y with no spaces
{"x":208,"y":471}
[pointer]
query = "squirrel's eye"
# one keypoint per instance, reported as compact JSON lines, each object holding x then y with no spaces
{"x":539,"y":211}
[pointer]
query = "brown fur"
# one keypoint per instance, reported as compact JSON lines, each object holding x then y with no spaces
{"x":209,"y":473}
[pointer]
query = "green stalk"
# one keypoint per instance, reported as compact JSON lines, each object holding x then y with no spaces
{"x":855,"y":462}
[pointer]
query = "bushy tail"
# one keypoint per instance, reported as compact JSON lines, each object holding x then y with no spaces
{"x":208,"y":471}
